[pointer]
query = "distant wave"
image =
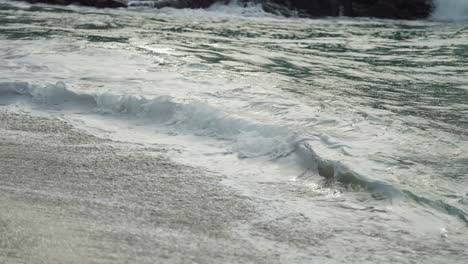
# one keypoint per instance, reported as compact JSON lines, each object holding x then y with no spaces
{"x":451,"y":10}
{"x":444,"y":10}
{"x":231,"y":7}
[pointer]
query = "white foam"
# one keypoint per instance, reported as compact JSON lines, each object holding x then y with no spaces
{"x":218,"y":9}
{"x":450,"y":10}
{"x":247,"y":138}
{"x":234,"y":7}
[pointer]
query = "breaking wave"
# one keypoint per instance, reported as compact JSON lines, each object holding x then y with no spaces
{"x":232,"y":7}
{"x":247,"y":138}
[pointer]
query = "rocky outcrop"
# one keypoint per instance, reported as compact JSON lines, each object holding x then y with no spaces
{"x":395,"y":9}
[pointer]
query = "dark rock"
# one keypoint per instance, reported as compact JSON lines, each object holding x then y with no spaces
{"x":95,"y":3}
{"x":396,"y":9}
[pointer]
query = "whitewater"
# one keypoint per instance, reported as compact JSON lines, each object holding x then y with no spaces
{"x":348,"y":137}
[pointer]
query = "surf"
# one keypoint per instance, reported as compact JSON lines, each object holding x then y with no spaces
{"x":248,"y":139}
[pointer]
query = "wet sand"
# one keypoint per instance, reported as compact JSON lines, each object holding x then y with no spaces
{"x":68,"y":197}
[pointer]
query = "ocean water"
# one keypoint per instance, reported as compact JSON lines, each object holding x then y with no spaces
{"x":365,"y":115}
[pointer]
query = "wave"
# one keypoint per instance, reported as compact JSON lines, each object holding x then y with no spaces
{"x":450,"y":10}
{"x":232,"y":7}
{"x":247,"y":138}
{"x":237,"y":8}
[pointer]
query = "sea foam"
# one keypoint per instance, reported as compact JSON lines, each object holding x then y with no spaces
{"x":247,"y":138}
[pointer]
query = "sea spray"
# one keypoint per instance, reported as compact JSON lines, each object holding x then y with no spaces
{"x":450,"y":10}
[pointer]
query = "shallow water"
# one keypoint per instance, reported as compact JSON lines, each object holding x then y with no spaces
{"x":372,"y":112}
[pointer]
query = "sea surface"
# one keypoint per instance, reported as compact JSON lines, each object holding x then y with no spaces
{"x":362,"y":114}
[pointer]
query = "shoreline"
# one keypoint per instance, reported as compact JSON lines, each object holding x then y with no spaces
{"x":68,"y":197}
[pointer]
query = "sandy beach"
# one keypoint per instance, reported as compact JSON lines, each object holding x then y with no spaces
{"x":68,"y":197}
